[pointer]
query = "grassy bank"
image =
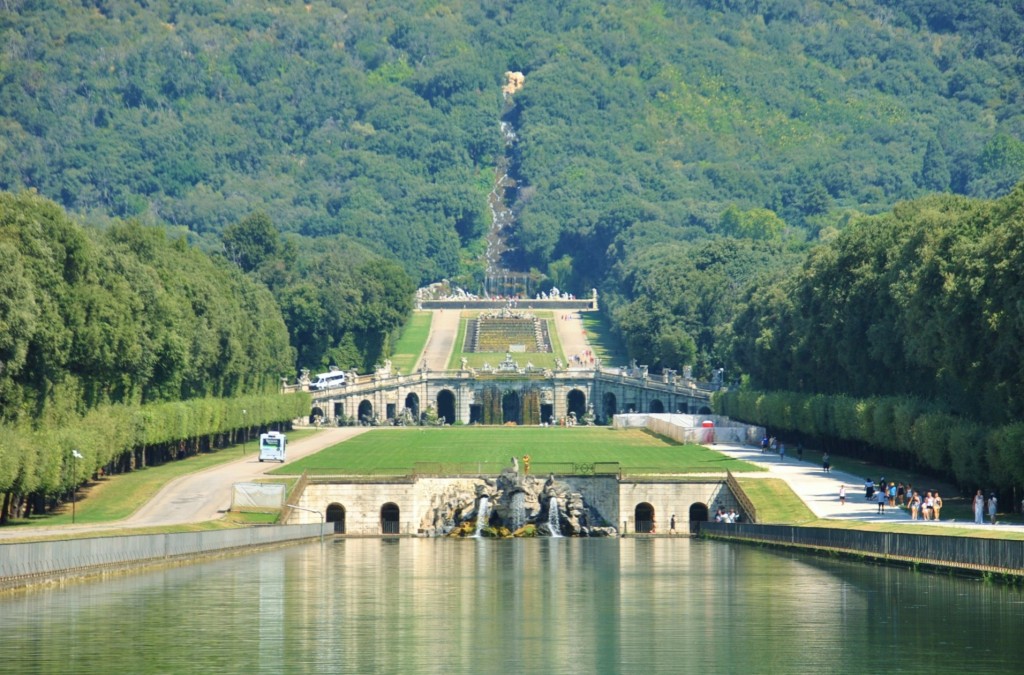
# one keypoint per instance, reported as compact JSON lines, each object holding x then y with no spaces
{"x":396,"y":451}
{"x":409,"y":346}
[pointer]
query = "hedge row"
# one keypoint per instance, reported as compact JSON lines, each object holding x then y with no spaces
{"x":41,"y":460}
{"x":908,"y":430}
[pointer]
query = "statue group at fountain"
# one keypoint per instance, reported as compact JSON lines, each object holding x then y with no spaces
{"x":515,"y":504}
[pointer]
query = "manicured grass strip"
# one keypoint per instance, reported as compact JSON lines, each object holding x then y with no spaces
{"x":396,"y":451}
{"x":775,"y":501}
{"x":603,"y":342}
{"x":120,"y":495}
{"x":410,"y":345}
{"x":994,"y":532}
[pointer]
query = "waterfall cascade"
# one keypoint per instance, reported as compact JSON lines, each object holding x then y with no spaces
{"x":518,"y":510}
{"x":554,"y":522}
{"x":483,"y":512}
{"x":499,"y":280}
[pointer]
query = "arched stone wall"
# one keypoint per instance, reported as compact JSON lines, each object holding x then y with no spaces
{"x":643,"y":518}
{"x":412,"y":403}
{"x":576,"y":402}
{"x":656,"y":406}
{"x":390,"y":519}
{"x":365,"y":411}
{"x":446,"y":406}
{"x":511,"y":407}
{"x":336,"y":514}
{"x":610,"y":407}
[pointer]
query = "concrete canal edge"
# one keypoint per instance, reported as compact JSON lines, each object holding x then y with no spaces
{"x":990,"y":559}
{"x":43,"y":563}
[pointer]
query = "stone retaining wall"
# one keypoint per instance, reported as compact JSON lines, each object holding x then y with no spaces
{"x":24,"y":564}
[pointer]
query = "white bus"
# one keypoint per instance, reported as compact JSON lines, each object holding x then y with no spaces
{"x":333,"y":378}
{"x":272,"y":446}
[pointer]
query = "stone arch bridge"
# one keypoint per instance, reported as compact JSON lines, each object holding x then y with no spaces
{"x":458,"y":396}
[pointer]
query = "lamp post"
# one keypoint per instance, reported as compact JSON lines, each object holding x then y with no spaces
{"x":245,"y":430}
{"x":322,"y":519}
{"x":75,"y":456}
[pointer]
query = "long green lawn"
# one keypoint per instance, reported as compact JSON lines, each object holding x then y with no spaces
{"x":408,"y":348}
{"x":398,"y":451}
{"x":603,"y":342}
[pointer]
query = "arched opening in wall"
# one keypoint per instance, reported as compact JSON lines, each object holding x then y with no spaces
{"x":657,"y":406}
{"x":576,"y":402}
{"x":698,"y":515}
{"x":336,"y":515}
{"x":316,"y":415}
{"x":681,"y":407}
{"x":365,"y":412}
{"x":476,"y":413}
{"x":609,"y":405}
{"x":446,"y":406}
{"x":643,"y":518}
{"x":704,"y":410}
{"x":412,"y":404}
{"x":389,"y":517}
{"x":547,"y":413}
{"x":511,"y":407}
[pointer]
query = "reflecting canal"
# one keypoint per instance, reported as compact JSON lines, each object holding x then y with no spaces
{"x":531,"y":606}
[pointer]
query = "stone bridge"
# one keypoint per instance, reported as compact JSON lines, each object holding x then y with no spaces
{"x":458,"y":395}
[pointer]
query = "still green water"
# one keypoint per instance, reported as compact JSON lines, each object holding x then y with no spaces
{"x":524,"y":606}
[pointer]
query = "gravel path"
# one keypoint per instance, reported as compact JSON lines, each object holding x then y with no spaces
{"x":444,"y":328}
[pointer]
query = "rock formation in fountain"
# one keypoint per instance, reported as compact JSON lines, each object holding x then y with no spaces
{"x":514,"y":506}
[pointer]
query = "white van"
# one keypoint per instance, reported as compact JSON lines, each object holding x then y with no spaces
{"x":334,"y":378}
{"x":272,"y":446}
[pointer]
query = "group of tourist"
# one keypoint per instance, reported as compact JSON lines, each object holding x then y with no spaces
{"x":584,"y":358}
{"x":926,"y":506}
{"x":772,"y":444}
{"x":722,"y":516}
{"x":980,"y":505}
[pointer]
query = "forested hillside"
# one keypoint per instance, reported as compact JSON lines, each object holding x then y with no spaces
{"x":668,"y":153}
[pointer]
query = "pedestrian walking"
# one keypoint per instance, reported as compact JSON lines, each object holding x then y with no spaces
{"x":979,"y":508}
{"x":992,"y":507}
{"x":842,"y":495}
{"x":672,"y":524}
{"x":826,"y":466}
{"x":782,"y":452}
{"x":882,"y":500}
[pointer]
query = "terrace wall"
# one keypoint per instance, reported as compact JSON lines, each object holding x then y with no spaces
{"x":616,"y":500}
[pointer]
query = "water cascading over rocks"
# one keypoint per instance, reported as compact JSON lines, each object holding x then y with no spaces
{"x":512,"y":505}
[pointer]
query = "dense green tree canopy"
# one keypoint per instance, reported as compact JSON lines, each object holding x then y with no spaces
{"x":124,"y":315}
{"x":924,"y":301}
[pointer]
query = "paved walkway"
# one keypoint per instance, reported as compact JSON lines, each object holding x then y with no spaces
{"x":569,"y":326}
{"x":444,"y":328}
{"x":820,"y":490}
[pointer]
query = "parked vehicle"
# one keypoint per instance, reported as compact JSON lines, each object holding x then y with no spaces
{"x":333,"y":378}
{"x":272,"y":446}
